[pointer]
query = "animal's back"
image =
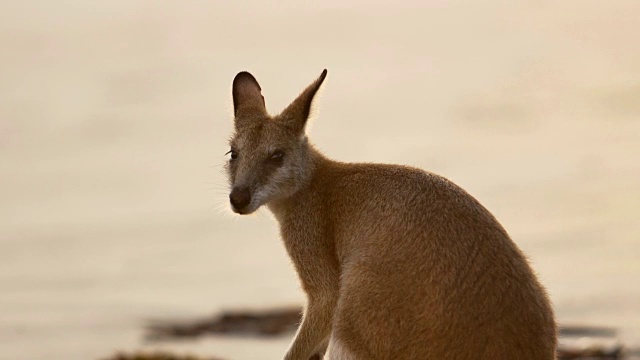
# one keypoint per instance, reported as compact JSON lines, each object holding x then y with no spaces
{"x":427,"y":272}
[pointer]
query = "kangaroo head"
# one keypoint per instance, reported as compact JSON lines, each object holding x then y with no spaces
{"x":270,"y":155}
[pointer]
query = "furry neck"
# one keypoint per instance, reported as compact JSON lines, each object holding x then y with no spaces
{"x":281,"y":207}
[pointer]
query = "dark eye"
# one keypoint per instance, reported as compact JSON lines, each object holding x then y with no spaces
{"x":277,"y":156}
{"x":234,"y":154}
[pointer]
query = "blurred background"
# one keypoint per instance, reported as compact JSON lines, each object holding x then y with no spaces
{"x":114,"y":119}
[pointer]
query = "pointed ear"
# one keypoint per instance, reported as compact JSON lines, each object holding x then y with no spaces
{"x":297,"y":113}
{"x":247,"y":94}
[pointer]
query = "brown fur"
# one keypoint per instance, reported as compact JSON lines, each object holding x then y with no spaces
{"x":396,"y":262}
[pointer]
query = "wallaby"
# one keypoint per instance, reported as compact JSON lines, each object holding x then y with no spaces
{"x":396,"y":262}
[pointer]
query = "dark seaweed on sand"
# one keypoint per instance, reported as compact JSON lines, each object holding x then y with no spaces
{"x":156,"y":356}
{"x":252,"y":323}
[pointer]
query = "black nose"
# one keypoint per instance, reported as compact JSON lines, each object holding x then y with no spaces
{"x":240,"y":198}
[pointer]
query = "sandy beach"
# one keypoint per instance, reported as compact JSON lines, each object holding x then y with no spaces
{"x":114,"y":119}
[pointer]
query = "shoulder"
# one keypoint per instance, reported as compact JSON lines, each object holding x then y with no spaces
{"x":383,"y":178}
